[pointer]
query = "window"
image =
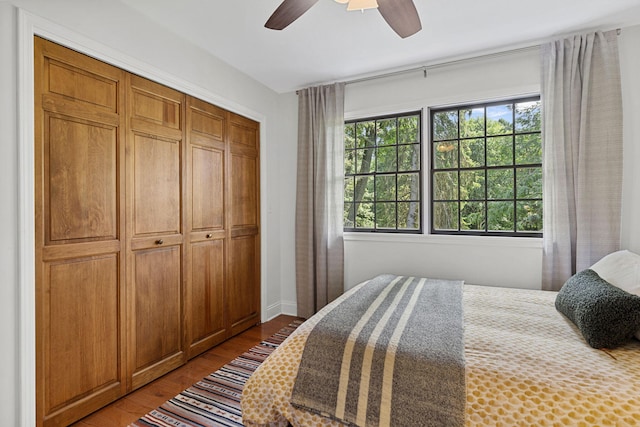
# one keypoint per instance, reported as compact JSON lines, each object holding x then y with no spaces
{"x":486,"y":169}
{"x":383,"y":174}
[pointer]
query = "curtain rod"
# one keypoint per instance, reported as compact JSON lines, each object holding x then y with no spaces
{"x":426,"y":68}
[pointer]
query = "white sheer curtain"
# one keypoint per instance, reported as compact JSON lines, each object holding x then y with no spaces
{"x":319,"y":197}
{"x":582,"y":137}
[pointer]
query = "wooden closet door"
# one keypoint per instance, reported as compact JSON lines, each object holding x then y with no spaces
{"x":154,"y":162}
{"x":206,"y":278}
{"x":243,"y":295}
{"x":79,"y":132}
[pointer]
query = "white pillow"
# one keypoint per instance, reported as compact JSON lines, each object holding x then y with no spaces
{"x":621,"y":269}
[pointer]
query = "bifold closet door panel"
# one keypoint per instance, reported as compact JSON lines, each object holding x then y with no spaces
{"x":79,"y":143}
{"x":243,"y":295}
{"x":155,"y":244}
{"x":206,"y":279}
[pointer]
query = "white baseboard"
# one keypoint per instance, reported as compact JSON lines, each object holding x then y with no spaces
{"x":272,"y":311}
{"x":283,"y":307}
{"x":289,"y":308}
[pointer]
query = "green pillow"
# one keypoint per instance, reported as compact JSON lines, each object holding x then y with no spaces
{"x":606,"y":315}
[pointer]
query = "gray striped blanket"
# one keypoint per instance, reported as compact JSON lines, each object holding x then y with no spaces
{"x":392,"y":354}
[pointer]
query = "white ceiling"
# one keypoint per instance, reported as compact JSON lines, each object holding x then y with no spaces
{"x":330,"y":44}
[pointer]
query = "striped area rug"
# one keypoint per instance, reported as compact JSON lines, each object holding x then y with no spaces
{"x":215,"y":400}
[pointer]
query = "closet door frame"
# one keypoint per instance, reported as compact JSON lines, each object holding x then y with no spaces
{"x":28,"y":26}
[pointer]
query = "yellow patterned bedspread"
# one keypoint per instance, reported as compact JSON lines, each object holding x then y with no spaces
{"x":526,"y":365}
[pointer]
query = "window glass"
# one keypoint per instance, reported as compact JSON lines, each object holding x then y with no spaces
{"x":486,"y":169}
{"x":383,"y":169}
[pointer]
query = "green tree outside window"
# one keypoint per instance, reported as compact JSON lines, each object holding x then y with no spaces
{"x":382,"y":167}
{"x":486,"y":169}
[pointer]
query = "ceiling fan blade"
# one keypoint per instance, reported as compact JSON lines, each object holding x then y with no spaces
{"x":401,"y":15}
{"x":287,"y":12}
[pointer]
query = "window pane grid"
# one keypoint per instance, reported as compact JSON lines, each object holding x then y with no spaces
{"x":383,"y":174}
{"x":486,"y":169}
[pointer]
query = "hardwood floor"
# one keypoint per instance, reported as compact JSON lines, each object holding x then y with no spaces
{"x":131,"y":407}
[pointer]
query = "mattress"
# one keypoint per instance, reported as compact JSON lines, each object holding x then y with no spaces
{"x":525,"y":364}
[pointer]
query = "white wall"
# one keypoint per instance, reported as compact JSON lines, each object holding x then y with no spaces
{"x":480,"y":260}
{"x":287,"y":183}
{"x":9,"y":357}
{"x":117,"y":34}
{"x":630,"y":73}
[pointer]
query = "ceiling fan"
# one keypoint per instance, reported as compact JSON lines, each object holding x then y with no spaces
{"x":401,"y":15}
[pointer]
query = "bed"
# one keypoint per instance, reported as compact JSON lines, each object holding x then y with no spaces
{"x":525,"y":363}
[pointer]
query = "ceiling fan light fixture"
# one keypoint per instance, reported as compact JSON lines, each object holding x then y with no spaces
{"x":362,"y":4}
{"x":401,"y":15}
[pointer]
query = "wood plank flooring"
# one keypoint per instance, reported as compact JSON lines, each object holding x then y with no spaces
{"x":131,"y":407}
